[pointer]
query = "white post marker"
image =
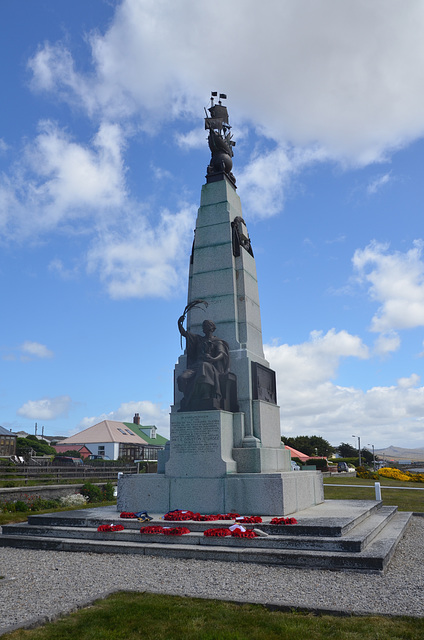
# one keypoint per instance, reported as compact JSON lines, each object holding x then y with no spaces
{"x":377,"y":491}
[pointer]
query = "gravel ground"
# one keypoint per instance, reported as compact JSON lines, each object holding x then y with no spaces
{"x":42,"y":584}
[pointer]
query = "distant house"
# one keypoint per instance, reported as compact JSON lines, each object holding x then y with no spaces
{"x":82,"y":450}
{"x":147,"y":433}
{"x":294,"y":453}
{"x":113,"y":440}
{"x":7,"y":442}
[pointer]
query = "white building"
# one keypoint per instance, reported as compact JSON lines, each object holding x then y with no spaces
{"x":114,"y":440}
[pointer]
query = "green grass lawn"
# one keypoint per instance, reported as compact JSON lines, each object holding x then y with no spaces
{"x":363,"y":489}
{"x":22,"y":516}
{"x":131,"y":616}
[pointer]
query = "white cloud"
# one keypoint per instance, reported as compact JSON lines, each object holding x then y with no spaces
{"x":60,"y":181}
{"x":376,"y":184}
{"x":150,"y":414}
{"x":407,"y":383}
{"x":45,"y":408}
{"x":312,"y":404}
{"x":81,"y":189}
{"x":36,"y":350}
{"x":396,"y":281}
{"x":263,"y":181}
{"x":343,"y":75}
{"x":194,"y":139}
{"x":317,"y":360}
{"x":72,"y":176}
{"x":56,"y":266}
{"x":140,"y":260}
{"x":386,"y":343}
{"x":320,"y":81}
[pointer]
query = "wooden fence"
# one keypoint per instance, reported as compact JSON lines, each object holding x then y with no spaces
{"x":22,"y":474}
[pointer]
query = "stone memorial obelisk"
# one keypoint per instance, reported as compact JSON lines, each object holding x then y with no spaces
{"x":225,"y":452}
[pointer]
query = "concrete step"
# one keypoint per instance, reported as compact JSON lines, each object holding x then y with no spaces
{"x":331,"y":518}
{"x":338,"y":534}
{"x":373,"y":558}
{"x":355,"y":540}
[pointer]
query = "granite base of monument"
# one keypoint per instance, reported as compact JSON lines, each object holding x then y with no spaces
{"x":202,"y":471}
{"x":272,"y":494}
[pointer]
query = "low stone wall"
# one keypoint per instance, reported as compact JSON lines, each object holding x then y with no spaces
{"x":341,"y":474}
{"x":44,"y":491}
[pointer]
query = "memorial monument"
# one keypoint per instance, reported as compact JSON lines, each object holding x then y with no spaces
{"x":225,"y":452}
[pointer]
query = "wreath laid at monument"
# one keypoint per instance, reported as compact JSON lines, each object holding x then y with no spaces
{"x":249,"y":519}
{"x":283,"y":521}
{"x":181,"y":515}
{"x":108,"y":528}
{"x":151,"y":530}
{"x":167,"y":531}
{"x":236,"y":531}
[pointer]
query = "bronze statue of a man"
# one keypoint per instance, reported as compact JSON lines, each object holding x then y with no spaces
{"x":207,"y":359}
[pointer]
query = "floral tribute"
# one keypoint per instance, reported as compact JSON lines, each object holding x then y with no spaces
{"x":151,"y":530}
{"x":127,"y":514}
{"x":283,"y":521}
{"x":249,"y":519}
{"x":218,"y":533}
{"x":175,"y":531}
{"x":180,"y":515}
{"x":235,"y":531}
{"x":167,"y":531}
{"x":247,"y":533}
{"x":107,"y":528}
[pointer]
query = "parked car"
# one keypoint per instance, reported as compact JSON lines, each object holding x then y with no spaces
{"x":342,"y":466}
{"x":294,"y":466}
{"x":67,"y":460}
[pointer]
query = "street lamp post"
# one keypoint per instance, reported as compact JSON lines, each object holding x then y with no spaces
{"x":359,"y":448}
{"x":373,"y":457}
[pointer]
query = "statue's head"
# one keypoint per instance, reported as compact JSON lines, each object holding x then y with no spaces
{"x":208,"y":326}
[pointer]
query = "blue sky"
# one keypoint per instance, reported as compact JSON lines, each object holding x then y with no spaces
{"x":102,"y":159}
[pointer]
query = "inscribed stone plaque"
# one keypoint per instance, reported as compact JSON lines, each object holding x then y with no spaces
{"x":201,"y":444}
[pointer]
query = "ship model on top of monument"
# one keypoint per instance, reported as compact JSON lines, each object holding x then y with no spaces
{"x":220,"y":140}
{"x":225,"y":452}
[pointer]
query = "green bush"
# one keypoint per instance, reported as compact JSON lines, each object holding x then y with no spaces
{"x":108,"y":491}
{"x":20,"y":505}
{"x":23,"y":446}
{"x":298,"y":461}
{"x":92,"y":492}
{"x":320,"y":463}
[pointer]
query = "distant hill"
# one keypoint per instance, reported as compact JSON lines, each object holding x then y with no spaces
{"x":399,"y":453}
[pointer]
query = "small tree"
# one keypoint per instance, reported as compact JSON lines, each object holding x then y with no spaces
{"x":366,"y":455}
{"x":310,"y":445}
{"x":346,"y":450}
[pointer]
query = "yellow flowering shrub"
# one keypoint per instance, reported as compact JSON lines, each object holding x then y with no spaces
{"x":396,"y":474}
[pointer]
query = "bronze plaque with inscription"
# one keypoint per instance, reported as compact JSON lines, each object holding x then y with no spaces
{"x":264,"y":386}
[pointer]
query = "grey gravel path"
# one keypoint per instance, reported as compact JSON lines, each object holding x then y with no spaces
{"x":40,"y":584}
